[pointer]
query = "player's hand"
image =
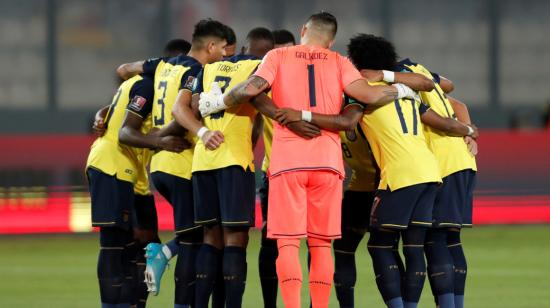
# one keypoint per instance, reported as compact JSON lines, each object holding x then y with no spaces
{"x":372,"y":75}
{"x":212,"y":139}
{"x":403,"y":91}
{"x":211,"y":102}
{"x":287,"y":115}
{"x":173,"y":144}
{"x":472,"y":145}
{"x":99,"y":127}
{"x":304,"y":129}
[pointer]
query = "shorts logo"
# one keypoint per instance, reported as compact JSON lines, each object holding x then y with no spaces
{"x":128,"y":171}
{"x":375,"y":204}
{"x":189,"y":82}
{"x":125,"y":216}
{"x":137,"y":103}
{"x":351,"y":135}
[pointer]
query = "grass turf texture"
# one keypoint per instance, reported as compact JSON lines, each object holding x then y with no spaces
{"x":508,"y":267}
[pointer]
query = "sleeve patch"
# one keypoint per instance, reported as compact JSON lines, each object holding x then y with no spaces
{"x":137,"y":103}
{"x":189,"y":83}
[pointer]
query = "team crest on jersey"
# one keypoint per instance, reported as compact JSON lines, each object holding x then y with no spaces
{"x":137,"y":103}
{"x":351,"y":135}
{"x":189,"y":83}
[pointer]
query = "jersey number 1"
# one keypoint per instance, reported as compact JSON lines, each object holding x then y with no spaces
{"x":402,"y":118}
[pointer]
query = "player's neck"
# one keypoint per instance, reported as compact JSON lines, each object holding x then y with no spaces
{"x":313,"y":42}
{"x":198,"y":55}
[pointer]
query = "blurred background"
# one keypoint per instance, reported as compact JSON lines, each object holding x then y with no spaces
{"x":58,"y":60}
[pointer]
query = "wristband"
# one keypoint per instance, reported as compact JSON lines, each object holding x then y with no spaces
{"x":202,"y":131}
{"x":389,"y":76}
{"x":470,"y":130}
{"x":306,"y":115}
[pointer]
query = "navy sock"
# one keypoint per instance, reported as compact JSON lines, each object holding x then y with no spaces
{"x":395,"y":303}
{"x":440,"y":266}
{"x":218,"y":293}
{"x":206,"y":267}
{"x":415,"y":274}
{"x":410,"y":304}
{"x":460,"y":266}
{"x":234,"y":275}
{"x":268,"y":273}
{"x":385,"y":266}
{"x":129,"y":254}
{"x":185,"y":274}
{"x":345,"y":272}
{"x":110,"y":272}
{"x":173,"y":246}
{"x":181,"y":306}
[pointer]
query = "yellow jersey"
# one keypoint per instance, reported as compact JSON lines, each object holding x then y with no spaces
{"x":170,"y":76}
{"x":451,"y":152}
{"x":107,"y":154}
{"x":268,"y":141}
{"x":358,"y":156}
{"x":235,"y":123}
{"x":397,"y":141}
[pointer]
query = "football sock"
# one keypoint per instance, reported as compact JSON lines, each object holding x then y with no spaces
{"x":234,"y":274}
{"x":173,"y":248}
{"x":206,"y":267}
{"x":440,"y":267}
{"x":388,"y":278}
{"x":185,"y":274}
{"x":268,"y":273}
{"x":129,"y":255}
{"x":110,"y":271}
{"x":289,"y":271}
{"x":345,"y":272}
{"x":395,"y":303}
{"x":321,"y":271}
{"x":460,"y":266}
{"x":415,"y":274}
{"x":218,"y":293}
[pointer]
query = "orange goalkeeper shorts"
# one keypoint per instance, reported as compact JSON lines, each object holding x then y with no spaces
{"x":305,"y":204}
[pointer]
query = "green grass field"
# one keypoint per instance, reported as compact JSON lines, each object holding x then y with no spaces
{"x":508,"y":267}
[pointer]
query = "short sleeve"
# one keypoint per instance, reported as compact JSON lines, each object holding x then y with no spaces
{"x":141,"y":97}
{"x":197,"y":87}
{"x":189,"y":77}
{"x":348,"y":72}
{"x":349,"y":101}
{"x":436,"y":77}
{"x":268,"y":68}
{"x":150,"y":65}
{"x":422,"y":108}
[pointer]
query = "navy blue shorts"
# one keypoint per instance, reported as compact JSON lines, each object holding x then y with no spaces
{"x":264,"y":194}
{"x":453,"y":202}
{"x":112,"y":200}
{"x":225,"y":195}
{"x":179,"y":193}
{"x":145,"y":212}
{"x":356,"y":208}
{"x":408,"y":206}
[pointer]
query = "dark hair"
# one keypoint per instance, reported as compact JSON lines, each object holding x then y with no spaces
{"x":260,"y":33}
{"x":325,"y":19}
{"x":209,"y":27}
{"x":283,"y":36}
{"x":367,"y":51}
{"x":176,"y":46}
{"x":231,"y":38}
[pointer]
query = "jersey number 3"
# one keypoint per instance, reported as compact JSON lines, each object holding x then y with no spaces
{"x":160,"y":120}
{"x":225,"y":80}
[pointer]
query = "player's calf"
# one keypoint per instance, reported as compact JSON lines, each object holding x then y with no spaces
{"x":345,"y":273}
{"x":388,"y":278}
{"x":440,"y":267}
{"x":415,"y":274}
{"x":110,"y":271}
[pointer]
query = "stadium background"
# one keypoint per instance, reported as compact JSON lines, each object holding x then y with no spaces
{"x":58,"y":59}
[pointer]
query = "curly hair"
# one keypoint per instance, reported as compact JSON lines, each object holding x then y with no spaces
{"x":368,"y":51}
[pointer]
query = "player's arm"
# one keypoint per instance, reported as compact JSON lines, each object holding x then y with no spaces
{"x":130,"y":134}
{"x":446,"y":85}
{"x":415,"y":81}
{"x":365,"y":93}
{"x":265,"y":105}
{"x":462,"y":114}
{"x":449,"y":126}
{"x":99,"y":121}
{"x":128,"y":70}
{"x":346,"y":120}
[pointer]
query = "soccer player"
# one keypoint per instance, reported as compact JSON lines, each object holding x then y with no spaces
{"x":305,"y":175}
{"x":231,"y":47}
{"x":453,"y":203}
{"x":268,"y":248}
{"x":171,"y":172}
{"x":113,"y":169}
{"x":406,"y":193}
{"x":223,"y":173}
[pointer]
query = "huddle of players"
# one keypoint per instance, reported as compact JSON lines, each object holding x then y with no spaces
{"x":214,"y":208}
